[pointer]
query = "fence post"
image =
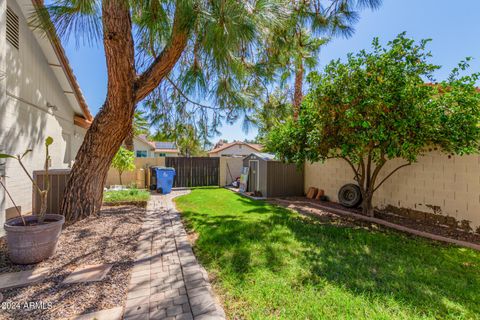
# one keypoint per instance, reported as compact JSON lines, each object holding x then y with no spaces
{"x":222,"y":172}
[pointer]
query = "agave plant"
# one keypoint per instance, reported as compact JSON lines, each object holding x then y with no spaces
{"x":43,"y":193}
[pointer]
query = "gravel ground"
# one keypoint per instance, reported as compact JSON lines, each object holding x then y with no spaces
{"x":406,"y":222}
{"x":111,"y":237}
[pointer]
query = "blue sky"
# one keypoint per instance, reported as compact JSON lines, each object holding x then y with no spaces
{"x":454,"y":27}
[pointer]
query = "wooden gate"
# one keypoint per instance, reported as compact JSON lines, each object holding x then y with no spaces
{"x":194,"y":171}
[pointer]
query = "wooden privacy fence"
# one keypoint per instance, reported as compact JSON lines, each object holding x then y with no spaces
{"x":228,"y":169}
{"x":194,"y":171}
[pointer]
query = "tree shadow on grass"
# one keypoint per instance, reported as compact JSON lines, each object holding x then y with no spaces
{"x":421,"y":274}
{"x":424,"y":277}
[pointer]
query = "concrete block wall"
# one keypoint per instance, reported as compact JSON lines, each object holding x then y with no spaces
{"x":436,"y":184}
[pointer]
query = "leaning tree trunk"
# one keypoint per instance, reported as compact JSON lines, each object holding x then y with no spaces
{"x":298,"y":94}
{"x":84,"y":190}
{"x":129,"y":141}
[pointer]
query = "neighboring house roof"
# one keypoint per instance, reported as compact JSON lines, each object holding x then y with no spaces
{"x":254,"y":146}
{"x":144,"y":139}
{"x":83,"y":117}
{"x":263,"y":155}
{"x":159,"y":146}
{"x":167,"y":150}
{"x":165,"y":145}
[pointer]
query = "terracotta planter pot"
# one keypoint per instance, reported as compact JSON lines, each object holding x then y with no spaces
{"x":33,"y":243}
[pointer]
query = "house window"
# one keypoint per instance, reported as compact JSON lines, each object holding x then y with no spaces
{"x":141,"y":153}
{"x":13,"y":28}
{"x":162,"y":154}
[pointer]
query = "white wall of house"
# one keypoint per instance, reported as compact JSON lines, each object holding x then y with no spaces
{"x":28,"y":86}
{"x":3,"y":94}
{"x":166,"y":154}
{"x":142,"y":146}
{"x":235,"y":150}
{"x":145,"y":148}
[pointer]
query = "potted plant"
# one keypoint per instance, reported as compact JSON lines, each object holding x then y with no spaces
{"x":33,"y":238}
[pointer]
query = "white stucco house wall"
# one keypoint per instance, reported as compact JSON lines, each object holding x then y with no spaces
{"x":142,"y":148}
{"x":235,"y":149}
{"x":39,"y":97}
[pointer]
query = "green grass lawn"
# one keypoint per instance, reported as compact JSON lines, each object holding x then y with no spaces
{"x":272,"y":263}
{"x":126,"y":195}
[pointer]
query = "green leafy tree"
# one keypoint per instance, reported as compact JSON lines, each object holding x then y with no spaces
{"x":124,"y":160}
{"x":376,"y":107}
{"x":203,"y":44}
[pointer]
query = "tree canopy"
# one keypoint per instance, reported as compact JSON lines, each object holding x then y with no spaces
{"x":382,"y":105}
{"x":194,"y":92}
{"x":150,"y":47}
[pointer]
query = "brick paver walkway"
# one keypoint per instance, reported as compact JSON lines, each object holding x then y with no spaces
{"x":167,"y":282}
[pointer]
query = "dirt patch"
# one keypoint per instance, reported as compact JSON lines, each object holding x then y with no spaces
{"x":110,"y":237}
{"x":323,"y":216}
{"x":192,"y":237}
{"x":417,"y":224}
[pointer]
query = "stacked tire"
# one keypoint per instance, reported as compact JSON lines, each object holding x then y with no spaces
{"x":350,"y":196}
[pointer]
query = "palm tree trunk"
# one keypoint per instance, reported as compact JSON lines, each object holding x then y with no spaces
{"x":298,"y":94}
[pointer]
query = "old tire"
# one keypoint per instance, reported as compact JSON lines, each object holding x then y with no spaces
{"x":350,"y":195}
{"x":33,"y":243}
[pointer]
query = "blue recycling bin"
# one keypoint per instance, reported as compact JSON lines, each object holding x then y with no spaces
{"x":165,"y":178}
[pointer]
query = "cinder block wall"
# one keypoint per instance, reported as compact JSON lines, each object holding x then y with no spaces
{"x":436,"y":184}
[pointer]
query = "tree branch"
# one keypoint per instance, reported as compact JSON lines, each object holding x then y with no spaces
{"x":187,"y":98}
{"x":390,"y":174}
{"x":165,"y":62}
{"x":362,"y":165}
{"x":353,"y":168}
{"x":377,"y":169}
